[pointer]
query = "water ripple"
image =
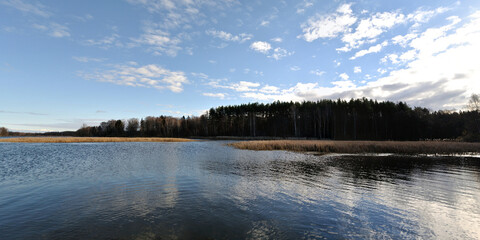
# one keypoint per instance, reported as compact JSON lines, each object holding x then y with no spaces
{"x":203,"y":190}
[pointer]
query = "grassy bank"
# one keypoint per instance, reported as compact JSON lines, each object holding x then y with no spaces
{"x":90,"y":139}
{"x":320,"y":146}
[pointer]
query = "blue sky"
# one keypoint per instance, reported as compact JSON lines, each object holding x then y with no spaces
{"x":65,"y":63}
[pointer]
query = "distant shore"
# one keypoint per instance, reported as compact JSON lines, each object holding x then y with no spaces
{"x":396,"y":147}
{"x":89,"y":139}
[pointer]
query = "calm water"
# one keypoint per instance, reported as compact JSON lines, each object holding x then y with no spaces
{"x":205,"y":190}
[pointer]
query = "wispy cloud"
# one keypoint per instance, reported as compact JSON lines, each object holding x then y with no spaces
{"x":265,"y":47}
{"x":54,"y":29}
{"x":430,"y":79}
{"x":373,"y":49}
{"x":317,"y":72}
{"x":24,"y":113}
{"x":367,"y":30}
{"x":225,"y":36}
{"x":344,"y":76}
{"x":329,"y":26}
{"x":36,"y":9}
{"x":105,"y":42}
{"x":158,"y":41}
{"x":176,"y":14}
{"x":295,"y":68}
{"x":304,"y":6}
{"x":216,"y":95}
{"x":87,"y":59}
{"x":370,"y":28}
{"x":277,"y":39}
{"x":152,"y":75}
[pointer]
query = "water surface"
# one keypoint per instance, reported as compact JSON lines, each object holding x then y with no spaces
{"x":206,"y":190}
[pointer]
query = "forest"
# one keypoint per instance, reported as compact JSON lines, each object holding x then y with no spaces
{"x":356,"y":119}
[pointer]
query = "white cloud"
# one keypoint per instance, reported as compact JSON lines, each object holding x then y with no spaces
{"x":229,"y":37}
{"x":152,"y":75}
{"x":279,"y":53}
{"x":357,"y":69}
{"x":216,"y":95}
{"x":404,"y":40}
{"x":370,"y":28}
{"x":260,"y":46}
{"x":381,"y":71}
{"x":422,"y":16}
{"x":329,"y":26}
{"x":373,"y":49}
{"x":295,"y":68}
{"x":244,"y":86}
{"x":265,"y":47}
{"x":264,"y":23}
{"x":277,"y":39}
{"x":105,"y":42}
{"x":317,"y":72}
{"x":269,"y":89}
{"x":345,"y":84}
{"x":87,"y":59}
{"x":183,"y":13}
{"x":442,"y":73}
{"x":407,"y":56}
{"x":54,"y":29}
{"x":85,"y":18}
{"x":393,"y":58}
{"x":159,"y":41}
{"x":58,"y":30}
{"x":36,"y":9}
{"x":303,"y":6}
{"x":344,"y":76}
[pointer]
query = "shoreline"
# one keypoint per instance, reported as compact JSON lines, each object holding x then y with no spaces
{"x":90,"y":139}
{"x":359,"y":147}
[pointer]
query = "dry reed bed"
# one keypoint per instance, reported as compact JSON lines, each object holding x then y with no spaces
{"x":89,"y":139}
{"x":397,"y":147}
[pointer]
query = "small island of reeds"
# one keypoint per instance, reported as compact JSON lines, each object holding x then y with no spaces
{"x":90,"y":139}
{"x":358,"y":147}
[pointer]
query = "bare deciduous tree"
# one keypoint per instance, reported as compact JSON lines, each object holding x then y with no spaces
{"x":474,"y":103}
{"x":3,"y":132}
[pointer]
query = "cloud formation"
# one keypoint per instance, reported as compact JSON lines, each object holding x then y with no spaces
{"x":262,"y":47}
{"x":242,"y":37}
{"x":36,"y":9}
{"x":54,"y":29}
{"x":150,"y":76}
{"x":216,"y":95}
{"x":158,"y":41}
{"x":330,"y":25}
{"x":373,"y":49}
{"x":429,"y":79}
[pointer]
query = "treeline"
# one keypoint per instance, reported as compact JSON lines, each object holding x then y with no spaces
{"x":357,"y":119}
{"x":3,"y":132}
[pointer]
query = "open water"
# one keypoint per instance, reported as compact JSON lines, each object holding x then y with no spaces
{"x":206,"y":190}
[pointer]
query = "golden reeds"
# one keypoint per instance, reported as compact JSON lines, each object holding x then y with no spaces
{"x":322,"y":146}
{"x":89,"y":139}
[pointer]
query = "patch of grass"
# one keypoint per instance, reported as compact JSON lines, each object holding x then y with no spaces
{"x":90,"y":139}
{"x":322,"y":146}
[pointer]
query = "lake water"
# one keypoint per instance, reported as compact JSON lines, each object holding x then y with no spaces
{"x":206,"y":190}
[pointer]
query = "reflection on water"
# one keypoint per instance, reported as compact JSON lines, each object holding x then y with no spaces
{"x":205,"y":190}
